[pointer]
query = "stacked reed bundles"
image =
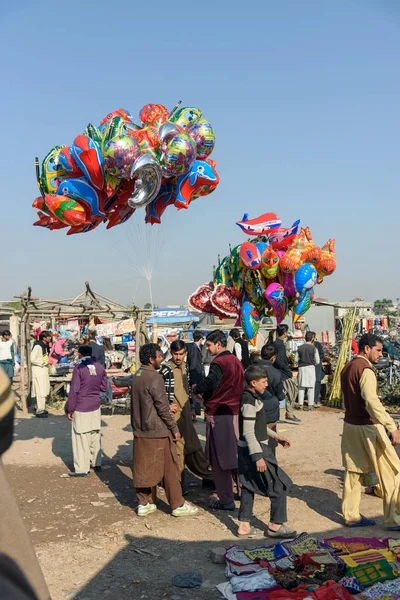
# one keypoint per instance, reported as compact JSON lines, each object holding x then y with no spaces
{"x":349,"y":321}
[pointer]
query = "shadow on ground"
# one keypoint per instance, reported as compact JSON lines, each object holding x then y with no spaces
{"x":144,"y":568}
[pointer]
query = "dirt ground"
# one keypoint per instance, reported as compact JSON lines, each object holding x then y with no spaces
{"x":91,"y":544}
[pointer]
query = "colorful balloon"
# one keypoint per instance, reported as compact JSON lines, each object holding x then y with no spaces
{"x":236,"y":269}
{"x":250,"y":255}
{"x":287,"y":282}
{"x":305,"y":278}
{"x":118,"y":166}
{"x":282,"y":238}
{"x":178,"y":155}
{"x":85,"y":228}
{"x":119,"y":155}
{"x":312,"y":252}
{"x":52,"y":171}
{"x":165,"y":197}
{"x":120,"y":214}
{"x":302,"y":305}
{"x":291,"y":260}
{"x":111,"y":185}
{"x":94,"y":133}
{"x":327,"y":262}
{"x":225,"y":300}
{"x":49,"y":222}
{"x":89,"y":159}
{"x":269,"y":263}
{"x":125,"y":115}
{"x":204,"y":138}
{"x":147,"y":139}
{"x":250,"y":320}
{"x":275,"y":295}
{"x":186,"y":117}
{"x":262,"y":225}
{"x":66,"y":210}
{"x":222,"y":273}
{"x":80,"y":190}
{"x":200,"y":300}
{"x":112,"y":129}
{"x":202,"y":179}
{"x":68,"y":163}
{"x":254,"y":286}
{"x":153,"y":114}
{"x":270,"y":276}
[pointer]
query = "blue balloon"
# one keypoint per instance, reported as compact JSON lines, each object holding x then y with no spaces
{"x":79,"y":189}
{"x":305,"y":278}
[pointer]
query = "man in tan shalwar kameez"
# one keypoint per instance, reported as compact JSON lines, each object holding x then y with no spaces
{"x":177,"y":385}
{"x":366,"y":445}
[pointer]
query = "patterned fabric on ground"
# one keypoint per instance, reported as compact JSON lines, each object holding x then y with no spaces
{"x":351,"y":584}
{"x":266,"y":552}
{"x":356,"y":544}
{"x":283,"y":564}
{"x":303,"y":544}
{"x":382,"y":591}
{"x":368,"y":556}
{"x":237,"y":557}
{"x":372,"y":573}
{"x":309,"y":575}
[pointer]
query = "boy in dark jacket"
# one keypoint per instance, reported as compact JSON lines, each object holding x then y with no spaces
{"x":259,"y":472}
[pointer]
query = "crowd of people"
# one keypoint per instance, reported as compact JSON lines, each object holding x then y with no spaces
{"x":242,"y":414}
{"x":241,"y":396}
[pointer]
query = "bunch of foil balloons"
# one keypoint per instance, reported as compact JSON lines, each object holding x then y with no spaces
{"x":111,"y":170}
{"x":270,"y":274}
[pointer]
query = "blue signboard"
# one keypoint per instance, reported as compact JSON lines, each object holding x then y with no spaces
{"x":172,"y":315}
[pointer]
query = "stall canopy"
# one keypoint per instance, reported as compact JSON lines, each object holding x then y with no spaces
{"x":164,"y":316}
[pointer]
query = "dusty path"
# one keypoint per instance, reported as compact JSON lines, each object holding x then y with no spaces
{"x":90,"y":542}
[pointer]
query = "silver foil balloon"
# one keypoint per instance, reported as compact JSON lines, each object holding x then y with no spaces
{"x":167,"y":130}
{"x":147,"y":173}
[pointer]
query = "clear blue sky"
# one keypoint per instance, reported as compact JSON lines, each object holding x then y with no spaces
{"x":304,"y":97}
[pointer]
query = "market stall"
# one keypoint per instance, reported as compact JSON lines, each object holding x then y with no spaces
{"x":71,"y":321}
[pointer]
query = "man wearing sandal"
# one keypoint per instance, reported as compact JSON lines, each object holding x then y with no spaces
{"x":259,"y":472}
{"x":366,"y":446}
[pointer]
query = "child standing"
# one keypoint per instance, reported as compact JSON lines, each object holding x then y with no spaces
{"x":259,"y":472}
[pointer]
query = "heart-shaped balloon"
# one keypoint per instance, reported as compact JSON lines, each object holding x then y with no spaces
{"x":200,"y":300}
{"x":226,"y":300}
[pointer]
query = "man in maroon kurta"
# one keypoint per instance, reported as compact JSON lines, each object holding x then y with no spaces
{"x":221,"y":391}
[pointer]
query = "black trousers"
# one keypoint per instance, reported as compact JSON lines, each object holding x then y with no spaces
{"x":318,"y":379}
{"x":278,"y":507}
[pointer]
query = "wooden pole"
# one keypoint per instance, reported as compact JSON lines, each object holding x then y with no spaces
{"x":28,"y":354}
{"x":23,"y":382}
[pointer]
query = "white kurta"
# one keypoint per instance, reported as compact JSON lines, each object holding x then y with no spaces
{"x":40,"y":373}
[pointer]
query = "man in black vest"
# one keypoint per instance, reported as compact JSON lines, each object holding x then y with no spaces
{"x":241,"y":349}
{"x":308,"y":360}
{"x":194,"y":360}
